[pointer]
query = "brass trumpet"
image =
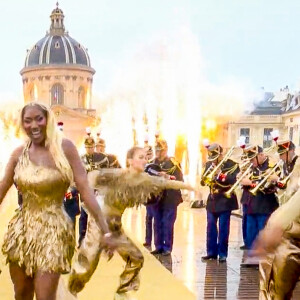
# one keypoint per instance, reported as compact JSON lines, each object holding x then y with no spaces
{"x":247,"y":172}
{"x":263,"y":183}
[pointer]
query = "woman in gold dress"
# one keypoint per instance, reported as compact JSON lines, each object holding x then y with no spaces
{"x":279,"y":246}
{"x":117,"y":190}
{"x":39,"y":243}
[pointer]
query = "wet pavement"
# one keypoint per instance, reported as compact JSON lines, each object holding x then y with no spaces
{"x":211,"y":280}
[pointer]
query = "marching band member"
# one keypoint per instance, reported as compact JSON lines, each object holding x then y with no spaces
{"x":92,"y":161}
{"x":165,"y":212}
{"x":280,"y":268}
{"x":118,"y":189}
{"x":152,"y":200}
{"x":71,"y":199}
{"x":262,"y":203}
{"x":219,"y":206}
{"x":242,"y":144}
{"x":100,"y":148}
{"x":286,"y":151}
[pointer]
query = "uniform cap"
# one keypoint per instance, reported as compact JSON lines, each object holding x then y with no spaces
{"x":214,"y":151}
{"x":252,"y":151}
{"x":285,"y":146}
{"x":100,"y":142}
{"x":89,"y":142}
{"x":161,"y":145}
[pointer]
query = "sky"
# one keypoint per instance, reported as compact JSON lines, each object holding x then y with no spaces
{"x":249,"y":40}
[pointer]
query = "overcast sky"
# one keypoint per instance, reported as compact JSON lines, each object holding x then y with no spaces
{"x":256,"y":41}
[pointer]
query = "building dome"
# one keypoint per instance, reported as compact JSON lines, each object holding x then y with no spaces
{"x":57,"y":47}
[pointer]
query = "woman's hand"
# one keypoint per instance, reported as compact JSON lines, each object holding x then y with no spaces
{"x":166,"y":176}
{"x":267,"y":241}
{"x":246,"y":182}
{"x":273,"y":178}
{"x":110,"y":244}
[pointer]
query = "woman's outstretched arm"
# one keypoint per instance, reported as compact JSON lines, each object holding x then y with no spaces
{"x":8,"y":177}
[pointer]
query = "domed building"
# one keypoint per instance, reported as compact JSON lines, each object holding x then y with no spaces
{"x":58,"y":73}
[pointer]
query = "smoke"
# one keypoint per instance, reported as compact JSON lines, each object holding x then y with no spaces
{"x":162,"y":87}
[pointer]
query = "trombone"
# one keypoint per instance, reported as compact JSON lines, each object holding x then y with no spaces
{"x":210,"y":168}
{"x":285,"y":179}
{"x":270,"y":149}
{"x":247,"y":172}
{"x":207,"y":178}
{"x":263,"y":183}
{"x":245,"y":164}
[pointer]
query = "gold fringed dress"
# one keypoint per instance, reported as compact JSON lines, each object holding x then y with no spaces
{"x":40,"y":236}
{"x":280,"y":270}
{"x":117,"y":190}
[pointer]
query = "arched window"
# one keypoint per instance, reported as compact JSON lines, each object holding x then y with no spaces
{"x":31,"y":94}
{"x":57,"y":94}
{"x":81,"y":97}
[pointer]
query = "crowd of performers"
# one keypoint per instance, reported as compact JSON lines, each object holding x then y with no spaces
{"x":270,"y":203}
{"x":161,"y":203}
{"x":55,"y":185}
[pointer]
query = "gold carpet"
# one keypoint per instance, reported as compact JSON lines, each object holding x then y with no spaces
{"x":157,"y":283}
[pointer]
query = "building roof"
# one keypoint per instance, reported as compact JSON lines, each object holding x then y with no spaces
{"x":57,"y":47}
{"x":267,"y":105}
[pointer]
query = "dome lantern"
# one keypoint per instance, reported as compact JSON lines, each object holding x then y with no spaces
{"x":58,"y":70}
{"x":57,"y":47}
{"x":57,"y":21}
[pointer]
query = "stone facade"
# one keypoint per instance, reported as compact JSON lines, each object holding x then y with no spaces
{"x":256,"y":129}
{"x":58,"y":74}
{"x":65,"y":85}
{"x":278,"y":111}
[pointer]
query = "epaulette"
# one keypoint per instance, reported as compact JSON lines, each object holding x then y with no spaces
{"x":271,"y":165}
{"x":172,"y":169}
{"x":231,"y":169}
{"x":173,"y":160}
{"x":114,"y":162}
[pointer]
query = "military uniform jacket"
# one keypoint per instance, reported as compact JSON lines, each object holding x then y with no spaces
{"x":113,"y":161}
{"x":293,"y":183}
{"x":95,"y":161}
{"x":170,"y":198}
{"x":217,"y":201}
{"x":71,"y":202}
{"x":264,"y":202}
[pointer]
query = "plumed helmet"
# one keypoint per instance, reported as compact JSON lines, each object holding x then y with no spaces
{"x":214,"y":151}
{"x":285,"y":146}
{"x":161,"y":145}
{"x":252,"y":151}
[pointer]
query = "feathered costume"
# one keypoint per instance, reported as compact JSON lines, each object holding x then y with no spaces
{"x":40,"y":236}
{"x":117,"y":189}
{"x":280,"y":271}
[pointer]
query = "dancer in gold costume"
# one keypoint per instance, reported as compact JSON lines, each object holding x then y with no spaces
{"x":280,"y":240}
{"x":118,"y":189}
{"x":39,"y":243}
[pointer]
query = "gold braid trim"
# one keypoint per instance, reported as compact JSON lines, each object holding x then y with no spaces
{"x":221,"y":185}
{"x":231,"y":170}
